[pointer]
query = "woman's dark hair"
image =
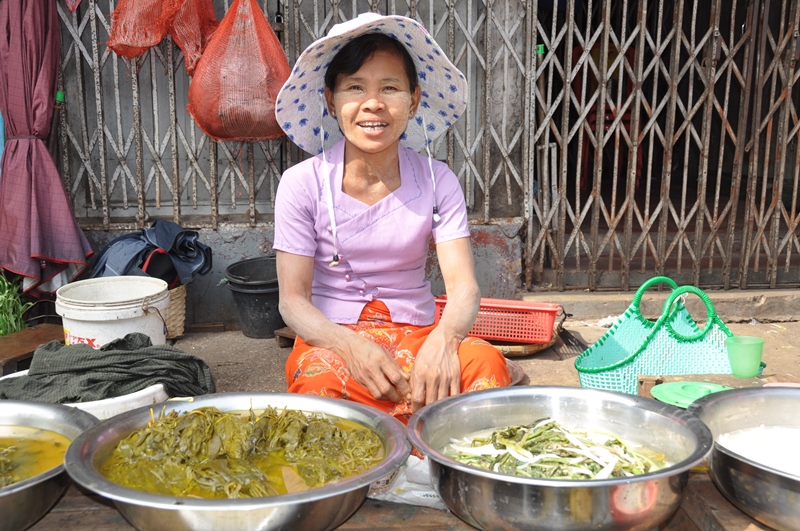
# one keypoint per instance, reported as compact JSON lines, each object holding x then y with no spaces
{"x":353,"y":55}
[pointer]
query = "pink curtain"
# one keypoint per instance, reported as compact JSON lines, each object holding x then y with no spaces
{"x":39,"y":237}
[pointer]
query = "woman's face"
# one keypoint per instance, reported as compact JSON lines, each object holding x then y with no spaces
{"x":374,"y":104}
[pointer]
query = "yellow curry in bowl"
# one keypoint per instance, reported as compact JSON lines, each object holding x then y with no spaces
{"x":26,"y":452}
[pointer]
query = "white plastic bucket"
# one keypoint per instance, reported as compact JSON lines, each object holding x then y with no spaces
{"x":100,"y":310}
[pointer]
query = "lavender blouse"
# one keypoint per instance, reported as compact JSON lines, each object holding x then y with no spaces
{"x":382,"y":248}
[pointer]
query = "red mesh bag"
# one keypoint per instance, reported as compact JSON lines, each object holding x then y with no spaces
{"x":236,"y":82}
{"x":136,"y":25}
{"x":73,"y":5}
{"x":191,"y":29}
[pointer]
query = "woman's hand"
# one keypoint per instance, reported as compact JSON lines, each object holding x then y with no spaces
{"x":437,"y":370}
{"x":374,"y":368}
{"x":369,"y":364}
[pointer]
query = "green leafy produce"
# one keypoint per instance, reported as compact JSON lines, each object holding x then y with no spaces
{"x":545,"y":449}
{"x":12,"y":306}
{"x":208,"y":453}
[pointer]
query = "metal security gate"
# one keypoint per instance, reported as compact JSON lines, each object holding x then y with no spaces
{"x":631,"y":137}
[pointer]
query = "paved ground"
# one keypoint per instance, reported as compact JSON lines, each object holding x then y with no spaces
{"x":240,"y":363}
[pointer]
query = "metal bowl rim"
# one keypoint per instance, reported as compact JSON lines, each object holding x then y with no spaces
{"x":710,"y":401}
{"x":705,"y":443}
{"x":86,"y":421}
{"x":85,"y":474}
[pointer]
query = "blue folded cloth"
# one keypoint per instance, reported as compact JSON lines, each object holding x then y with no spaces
{"x":128,"y":253}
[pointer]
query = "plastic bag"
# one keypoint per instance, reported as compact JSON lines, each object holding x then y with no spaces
{"x":136,"y":25}
{"x":237,"y":80}
{"x":410,"y":484}
{"x":192,"y":28}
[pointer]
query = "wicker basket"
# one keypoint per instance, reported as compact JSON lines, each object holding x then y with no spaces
{"x":176,"y":312}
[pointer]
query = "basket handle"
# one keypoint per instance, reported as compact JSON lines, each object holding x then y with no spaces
{"x":637,"y":298}
{"x":712,"y":313}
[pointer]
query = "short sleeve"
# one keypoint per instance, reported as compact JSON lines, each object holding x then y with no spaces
{"x":296,"y":205}
{"x":451,"y":206}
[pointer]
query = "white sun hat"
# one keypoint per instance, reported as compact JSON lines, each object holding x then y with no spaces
{"x":301,"y":109}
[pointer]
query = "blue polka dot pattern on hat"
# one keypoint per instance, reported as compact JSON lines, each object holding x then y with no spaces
{"x":422,"y":75}
{"x":431,"y":127}
{"x":286,"y":126}
{"x":316,"y":131}
{"x":301,"y":107}
{"x":303,"y":122}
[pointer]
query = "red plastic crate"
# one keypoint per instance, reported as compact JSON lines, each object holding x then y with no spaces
{"x":510,"y":320}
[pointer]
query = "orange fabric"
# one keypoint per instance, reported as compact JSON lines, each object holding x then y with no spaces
{"x":321,"y":372}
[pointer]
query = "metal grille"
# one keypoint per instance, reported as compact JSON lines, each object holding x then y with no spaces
{"x":632,"y":137}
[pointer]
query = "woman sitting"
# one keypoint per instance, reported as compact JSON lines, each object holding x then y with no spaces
{"x":353,"y":223}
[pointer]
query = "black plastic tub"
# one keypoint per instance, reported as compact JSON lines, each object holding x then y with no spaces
{"x":260,"y":271}
{"x":254,"y":285}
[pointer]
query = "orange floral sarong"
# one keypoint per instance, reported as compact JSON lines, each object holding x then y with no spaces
{"x":319,"y":371}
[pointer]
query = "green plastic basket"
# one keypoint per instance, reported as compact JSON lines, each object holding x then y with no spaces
{"x":672,"y":345}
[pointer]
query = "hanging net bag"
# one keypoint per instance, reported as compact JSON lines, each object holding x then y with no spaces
{"x":237,"y":80}
{"x":192,"y":28}
{"x":136,"y":25}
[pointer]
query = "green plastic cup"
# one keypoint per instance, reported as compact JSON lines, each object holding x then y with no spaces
{"x":744,"y":353}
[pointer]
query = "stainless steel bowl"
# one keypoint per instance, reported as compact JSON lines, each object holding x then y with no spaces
{"x":25,"y":502}
{"x":494,"y":501}
{"x":317,"y":509}
{"x":768,"y":495}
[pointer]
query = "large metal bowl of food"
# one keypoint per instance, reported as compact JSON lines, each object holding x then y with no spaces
{"x":320,"y":508}
{"x":494,"y":499}
{"x":755,"y":462}
{"x":33,"y":439}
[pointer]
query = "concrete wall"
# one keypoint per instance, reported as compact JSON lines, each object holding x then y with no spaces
{"x":497,"y":250}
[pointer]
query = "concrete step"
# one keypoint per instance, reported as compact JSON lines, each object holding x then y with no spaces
{"x":731,"y":305}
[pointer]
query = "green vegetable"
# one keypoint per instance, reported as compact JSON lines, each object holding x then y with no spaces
{"x":545,"y":449}
{"x":211,"y":454}
{"x":12,"y":306}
